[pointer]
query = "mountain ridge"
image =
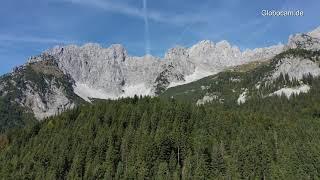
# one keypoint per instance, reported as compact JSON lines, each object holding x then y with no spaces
{"x":206,"y":56}
{"x":93,"y":72}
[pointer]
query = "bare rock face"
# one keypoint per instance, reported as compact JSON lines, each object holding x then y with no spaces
{"x":92,"y":65}
{"x":177,"y":53}
{"x":259,"y":54}
{"x":296,"y":68}
{"x":110,"y":70}
{"x":221,"y":55}
{"x":315,"y":33}
{"x":48,"y":104}
{"x":114,"y":73}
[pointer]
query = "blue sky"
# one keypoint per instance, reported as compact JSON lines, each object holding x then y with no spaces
{"x":27,"y":27}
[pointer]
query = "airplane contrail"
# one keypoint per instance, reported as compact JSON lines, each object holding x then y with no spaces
{"x":146,"y":27}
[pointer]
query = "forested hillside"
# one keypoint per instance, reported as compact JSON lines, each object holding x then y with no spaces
{"x":13,"y":116}
{"x":153,"y":138}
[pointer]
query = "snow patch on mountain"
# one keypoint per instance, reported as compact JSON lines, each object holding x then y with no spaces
{"x":288,"y":92}
{"x":138,"y":89}
{"x":198,"y":74}
{"x":86,"y":92}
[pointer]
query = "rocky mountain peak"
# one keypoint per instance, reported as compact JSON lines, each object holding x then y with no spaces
{"x":42,"y":57}
{"x":176,"y":53}
{"x":303,"y":41}
{"x":202,"y":46}
{"x":118,"y":51}
{"x":315,"y":33}
{"x":223,"y":45}
{"x":308,"y":41}
{"x":91,"y":46}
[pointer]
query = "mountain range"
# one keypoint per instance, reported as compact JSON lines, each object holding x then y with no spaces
{"x":65,"y":76}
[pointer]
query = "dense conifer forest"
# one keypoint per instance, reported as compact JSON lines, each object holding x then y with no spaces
{"x":158,"y":138}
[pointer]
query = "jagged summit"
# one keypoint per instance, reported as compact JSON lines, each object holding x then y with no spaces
{"x":204,"y":44}
{"x":176,"y":52}
{"x":224,"y":44}
{"x":114,"y":73}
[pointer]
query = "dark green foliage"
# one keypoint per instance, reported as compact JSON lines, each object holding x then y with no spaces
{"x":152,"y":138}
{"x":307,"y":54}
{"x":12,"y":115}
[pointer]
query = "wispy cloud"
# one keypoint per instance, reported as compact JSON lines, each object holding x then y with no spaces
{"x":32,"y":39}
{"x":146,"y":26}
{"x":138,"y":12}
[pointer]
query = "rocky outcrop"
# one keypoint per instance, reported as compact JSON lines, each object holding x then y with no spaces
{"x":45,"y":105}
{"x":304,"y":41}
{"x":288,"y":92}
{"x":308,"y":41}
{"x":40,"y":87}
{"x":296,"y":68}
